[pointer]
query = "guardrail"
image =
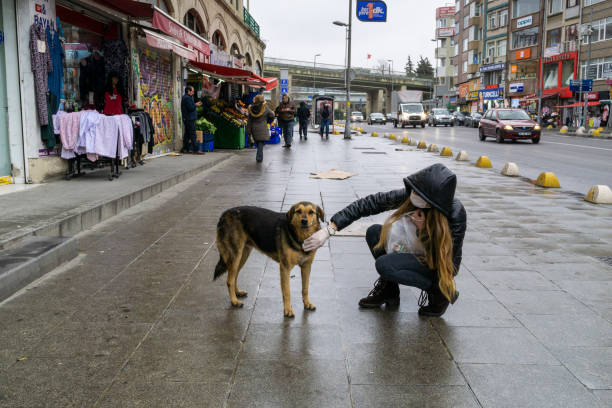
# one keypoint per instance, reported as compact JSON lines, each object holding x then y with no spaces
{"x":250,"y":21}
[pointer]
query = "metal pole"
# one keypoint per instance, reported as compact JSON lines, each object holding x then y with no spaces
{"x":347,"y":131}
{"x":588,"y":65}
{"x":314,"y":74}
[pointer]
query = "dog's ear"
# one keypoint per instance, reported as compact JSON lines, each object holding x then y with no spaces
{"x":291,"y":213}
{"x":320,"y":214}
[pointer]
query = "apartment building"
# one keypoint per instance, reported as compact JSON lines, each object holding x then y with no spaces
{"x":445,"y":45}
{"x":600,"y":68}
{"x":495,"y":44}
{"x":468,"y":52}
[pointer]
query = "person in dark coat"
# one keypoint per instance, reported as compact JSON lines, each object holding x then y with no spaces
{"x":286,"y":118}
{"x":325,"y":121}
{"x":188,"y":111}
{"x":257,"y":124}
{"x":428,"y":202}
{"x":303,"y":114}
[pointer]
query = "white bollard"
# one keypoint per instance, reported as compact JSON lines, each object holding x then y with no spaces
{"x":600,"y":194}
{"x":463,"y":156}
{"x":510,"y":169}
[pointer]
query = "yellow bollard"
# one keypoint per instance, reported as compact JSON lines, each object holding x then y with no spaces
{"x":483,"y":161}
{"x":422,"y":145}
{"x":406,"y":140}
{"x":446,"y":151}
{"x":548,"y":180}
{"x":374,"y":134}
{"x":392,"y":137}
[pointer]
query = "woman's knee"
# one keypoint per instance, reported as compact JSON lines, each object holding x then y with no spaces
{"x":373,"y":235}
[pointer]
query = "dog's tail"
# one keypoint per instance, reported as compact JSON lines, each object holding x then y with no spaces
{"x":220,"y":269}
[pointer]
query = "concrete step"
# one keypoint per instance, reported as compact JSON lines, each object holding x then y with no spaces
{"x":31,"y":259}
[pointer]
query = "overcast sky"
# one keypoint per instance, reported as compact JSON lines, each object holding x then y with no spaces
{"x":299,"y":29}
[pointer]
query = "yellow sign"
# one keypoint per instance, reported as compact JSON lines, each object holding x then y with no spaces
{"x":348,"y":103}
{"x":6,"y":180}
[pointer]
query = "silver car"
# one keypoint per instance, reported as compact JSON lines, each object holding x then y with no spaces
{"x":440,"y":116}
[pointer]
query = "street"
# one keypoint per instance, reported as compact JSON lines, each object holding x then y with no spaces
{"x":578,"y":162}
{"x":136,"y":320}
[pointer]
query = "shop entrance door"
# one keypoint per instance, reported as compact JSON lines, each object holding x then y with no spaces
{"x":5,"y":161}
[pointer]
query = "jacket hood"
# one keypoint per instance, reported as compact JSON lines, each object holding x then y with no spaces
{"x":257,"y":109}
{"x":435,"y":184}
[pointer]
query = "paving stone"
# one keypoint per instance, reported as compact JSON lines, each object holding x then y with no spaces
{"x":431,"y":396}
{"x":476,"y":313}
{"x":516,"y":385}
{"x":515,"y":280}
{"x":604,"y":397}
{"x":569,"y":330}
{"x":541,"y":302}
{"x":591,"y":365}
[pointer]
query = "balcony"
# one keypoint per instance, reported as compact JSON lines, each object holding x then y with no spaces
{"x":474,"y":45}
{"x":250,"y":21}
{"x":442,"y":53}
{"x":476,"y":20}
{"x":472,"y":68}
{"x":567,"y":46}
{"x":572,"y":12}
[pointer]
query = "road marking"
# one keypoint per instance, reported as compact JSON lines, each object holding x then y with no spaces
{"x":585,"y":147}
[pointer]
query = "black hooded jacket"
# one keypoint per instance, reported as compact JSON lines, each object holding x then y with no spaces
{"x":435,"y":184}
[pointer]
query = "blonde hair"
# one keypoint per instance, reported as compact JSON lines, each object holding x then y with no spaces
{"x":436,"y":240}
{"x":259,"y":98}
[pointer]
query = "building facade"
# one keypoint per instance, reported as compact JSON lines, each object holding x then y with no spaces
{"x":598,"y":15}
{"x":445,"y":45}
{"x":154,"y":74}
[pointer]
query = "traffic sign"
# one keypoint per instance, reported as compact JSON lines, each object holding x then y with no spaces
{"x":587,"y":85}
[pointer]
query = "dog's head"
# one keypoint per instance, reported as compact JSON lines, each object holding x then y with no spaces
{"x":305,"y":217}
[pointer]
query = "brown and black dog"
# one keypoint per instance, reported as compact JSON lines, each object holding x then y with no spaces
{"x":277,"y":235}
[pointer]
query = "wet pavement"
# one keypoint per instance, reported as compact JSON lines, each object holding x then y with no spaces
{"x":136,"y":319}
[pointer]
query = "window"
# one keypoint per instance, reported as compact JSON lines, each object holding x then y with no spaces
{"x":473,"y":12}
{"x":193,"y":21}
{"x":591,"y":2}
{"x":491,"y":50}
{"x":608,"y":28}
{"x":571,"y":3}
{"x":493,"y":20}
{"x":456,"y":50}
{"x":551,"y":75}
{"x":503,"y":18}
{"x":441,"y":22}
{"x":598,"y":31}
{"x":457,"y":6}
{"x":601,"y":68}
{"x":524,"y":70}
{"x":567,"y":72}
{"x":442,"y":42}
{"x":525,"y":38}
{"x":465,"y":44}
{"x":442,"y":62}
{"x":553,"y":37}
{"x":555,"y":6}
{"x":464,"y":67}
{"x":466,"y":21}
{"x":521,"y":8}
{"x":465,"y":2}
{"x":501,"y":48}
{"x":472,"y":58}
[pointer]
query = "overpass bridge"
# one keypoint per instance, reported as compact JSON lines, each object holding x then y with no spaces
{"x":330,"y":78}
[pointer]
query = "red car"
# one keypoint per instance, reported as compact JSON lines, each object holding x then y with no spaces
{"x":510,"y":124}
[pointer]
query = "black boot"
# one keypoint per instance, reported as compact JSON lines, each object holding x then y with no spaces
{"x":436,"y":302}
{"x":383,"y":292}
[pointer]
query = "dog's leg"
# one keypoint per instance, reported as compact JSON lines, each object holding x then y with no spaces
{"x":285,"y":288}
{"x":245,"y":255}
{"x":232,"y":276}
{"x":305,"y":281}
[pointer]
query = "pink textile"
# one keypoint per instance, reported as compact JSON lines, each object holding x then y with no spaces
{"x":55,"y":118}
{"x":68,"y":124}
{"x":106,"y":137}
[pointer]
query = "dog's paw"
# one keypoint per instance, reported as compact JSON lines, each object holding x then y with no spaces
{"x":289,"y":313}
{"x":237,"y":303}
{"x":309,"y":306}
{"x":241,"y":293}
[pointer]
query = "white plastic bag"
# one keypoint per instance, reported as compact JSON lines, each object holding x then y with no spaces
{"x":402,"y":237}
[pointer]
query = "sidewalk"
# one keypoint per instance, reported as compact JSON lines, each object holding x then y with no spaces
{"x":136,"y":320}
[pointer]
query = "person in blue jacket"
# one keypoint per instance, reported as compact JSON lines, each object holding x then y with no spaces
{"x":189,"y":114}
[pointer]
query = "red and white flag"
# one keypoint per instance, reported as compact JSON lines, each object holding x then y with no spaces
{"x":369,"y":56}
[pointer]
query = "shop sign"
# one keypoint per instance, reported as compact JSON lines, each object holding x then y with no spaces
{"x":493,"y":67}
{"x":550,"y":51}
{"x":524,"y":22}
{"x":517,"y":87}
{"x":446,"y":31}
{"x":44,"y":13}
{"x":593,"y":96}
{"x":561,"y":57}
{"x":371,"y":11}
{"x":608,"y":81}
{"x":237,"y":62}
{"x":444,"y":12}
{"x":492,"y":94}
{"x":493,"y":86}
{"x":515,"y":103}
{"x":523,"y":54}
{"x":218,"y":57}
{"x":452,"y":100}
{"x":514,"y":68}
{"x":284,"y":81}
{"x":172,"y":28}
{"x":473,"y":96}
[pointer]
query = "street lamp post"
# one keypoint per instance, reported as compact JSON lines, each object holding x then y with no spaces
{"x":314,"y":73}
{"x":391,"y":74}
{"x":347,"y":74}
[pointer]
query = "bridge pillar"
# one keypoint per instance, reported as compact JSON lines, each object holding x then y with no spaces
{"x":375,"y":101}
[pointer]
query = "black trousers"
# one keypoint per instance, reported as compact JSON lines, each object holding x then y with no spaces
{"x":303,"y":128}
{"x":189,"y":136}
{"x":400,"y":267}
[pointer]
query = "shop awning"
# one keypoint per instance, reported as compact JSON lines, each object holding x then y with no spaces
{"x":130,"y":7}
{"x":534,"y":97}
{"x":578,"y":104}
{"x":163,"y":42}
{"x":170,"y":26}
{"x":235,"y":75}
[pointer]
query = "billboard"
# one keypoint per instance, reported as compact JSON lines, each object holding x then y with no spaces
{"x":445,"y":12}
{"x":371,"y":11}
{"x":446,"y":31}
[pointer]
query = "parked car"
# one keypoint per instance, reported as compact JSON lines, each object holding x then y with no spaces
{"x":356,"y":117}
{"x":511,"y":124}
{"x":389,"y":117}
{"x":377,"y":118}
{"x":440,"y":116}
{"x":459,"y":118}
{"x":472,"y":119}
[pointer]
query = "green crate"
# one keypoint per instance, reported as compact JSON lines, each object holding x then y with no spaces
{"x":227,"y":135}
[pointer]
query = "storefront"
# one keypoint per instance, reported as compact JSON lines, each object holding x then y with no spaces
{"x":463,"y":90}
{"x":557,"y":72}
{"x":492,"y":97}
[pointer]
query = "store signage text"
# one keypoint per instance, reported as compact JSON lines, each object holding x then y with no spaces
{"x":473,"y":96}
{"x":44,"y":14}
{"x":169,"y":27}
{"x":517,"y":87}
{"x":446,"y":31}
{"x":593,"y":96}
{"x":371,"y":11}
{"x":442,"y":12}
{"x":492,"y":94}
{"x":523,"y":54}
{"x":493,"y":67}
{"x":561,"y":57}
{"x":524,"y":22}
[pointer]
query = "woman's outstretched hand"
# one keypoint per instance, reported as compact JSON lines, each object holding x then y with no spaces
{"x":316,"y":240}
{"x":418,"y":219}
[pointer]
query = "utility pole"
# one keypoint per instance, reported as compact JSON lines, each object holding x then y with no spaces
{"x":588,"y":66}
{"x":347,"y":131}
{"x":314,"y":74}
{"x":391,"y":73}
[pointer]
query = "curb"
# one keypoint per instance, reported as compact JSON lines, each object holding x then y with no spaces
{"x":586,"y":136}
{"x":72,"y":222}
{"x":34,"y":257}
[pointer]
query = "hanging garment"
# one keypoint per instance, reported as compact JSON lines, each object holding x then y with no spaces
{"x":116,"y":60}
{"x":56,"y":121}
{"x":126,"y":135}
{"x":113,"y":104}
{"x":46,"y":131}
{"x":68,"y":124}
{"x":55,"y":77}
{"x":41,"y":65}
{"x":87,"y":129}
{"x":106,"y":136}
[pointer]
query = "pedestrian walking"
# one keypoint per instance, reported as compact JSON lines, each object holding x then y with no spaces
{"x":189,"y":114}
{"x":303,"y":114}
{"x":419,"y":245}
{"x":257,"y":124}
{"x":325,"y":121}
{"x":285,"y":112}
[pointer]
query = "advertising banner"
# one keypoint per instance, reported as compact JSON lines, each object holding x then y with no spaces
{"x":517,"y":87}
{"x":493,"y":67}
{"x":371,"y":11}
{"x":492,"y":94}
{"x":446,"y":31}
{"x":524,"y":22}
{"x":170,"y":27}
{"x":445,"y":12}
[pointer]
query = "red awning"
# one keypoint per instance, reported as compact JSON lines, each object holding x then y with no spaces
{"x":130,"y":7}
{"x":166,"y":43}
{"x":271,"y":83}
{"x":235,"y":75}
{"x":173,"y":28}
{"x":577,"y":104}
